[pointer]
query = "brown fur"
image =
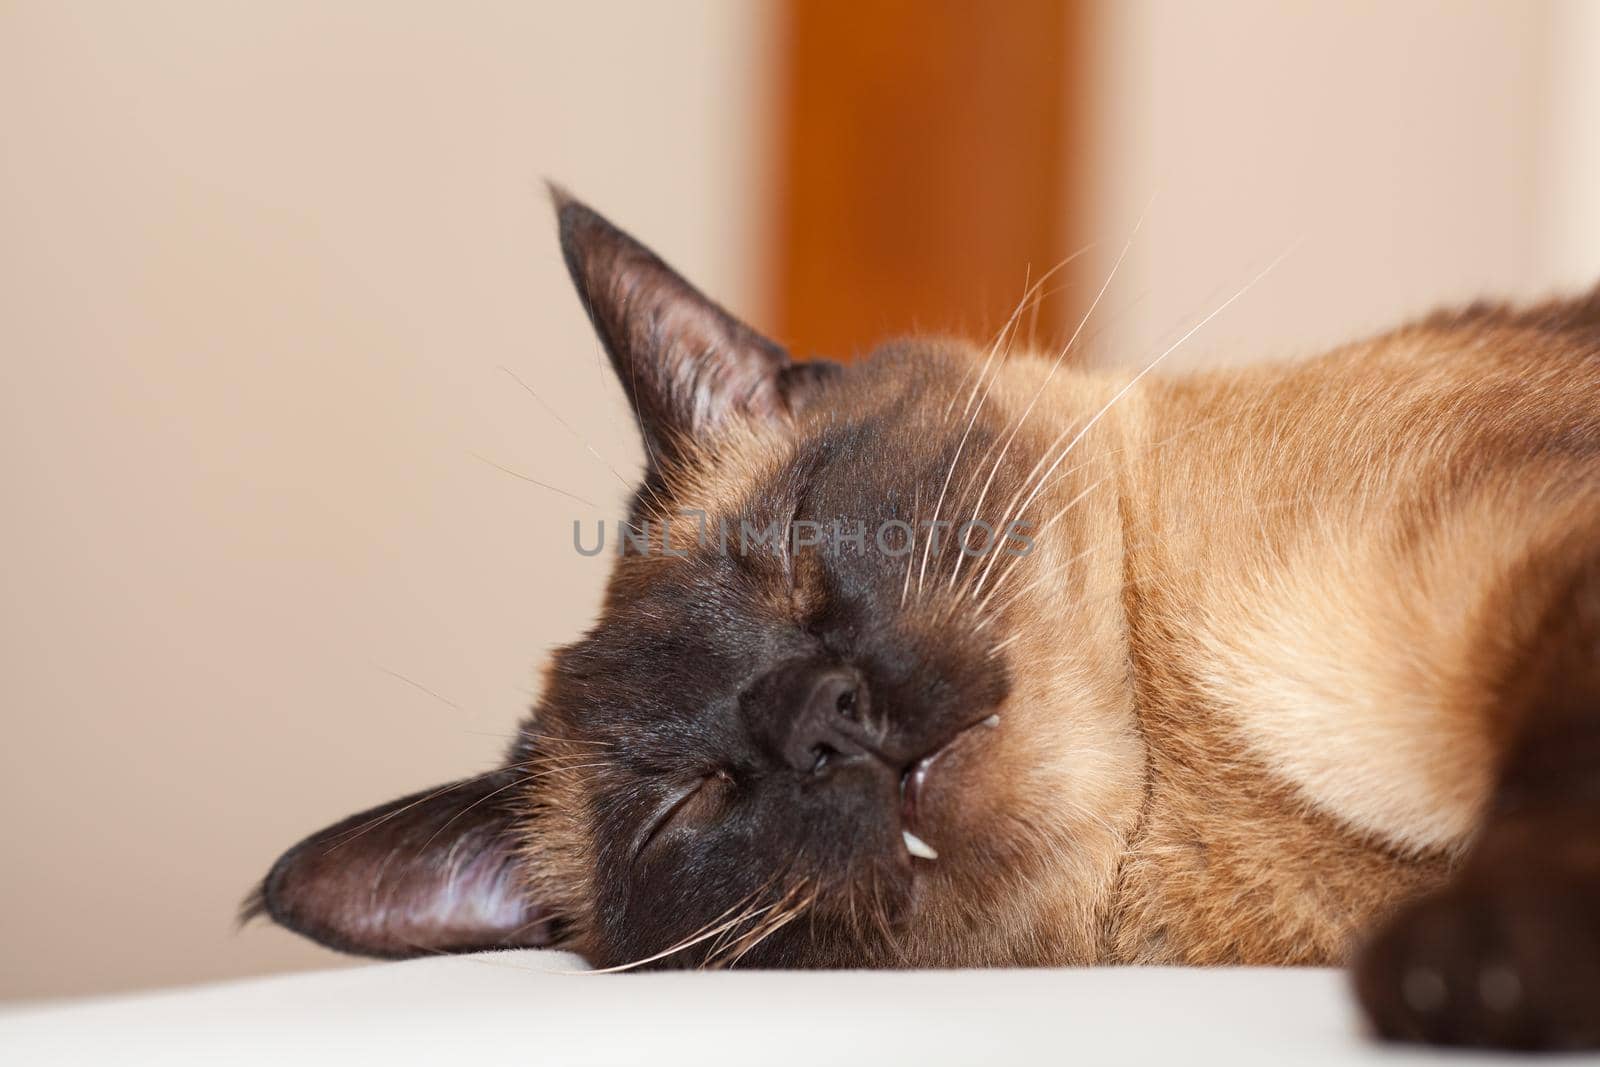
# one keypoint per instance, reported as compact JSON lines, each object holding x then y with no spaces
{"x":1356,"y":545}
{"x":1361,"y":556}
{"x":1261,"y":683}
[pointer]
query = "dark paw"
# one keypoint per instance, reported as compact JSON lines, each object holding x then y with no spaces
{"x":1508,"y":956}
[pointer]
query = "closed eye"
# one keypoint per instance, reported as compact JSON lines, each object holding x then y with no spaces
{"x":697,"y":801}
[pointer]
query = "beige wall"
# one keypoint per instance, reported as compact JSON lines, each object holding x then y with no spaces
{"x":1407,"y":151}
{"x":258,"y":266}
{"x":1569,"y":222}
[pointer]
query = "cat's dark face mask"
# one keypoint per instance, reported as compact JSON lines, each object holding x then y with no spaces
{"x":787,"y":741}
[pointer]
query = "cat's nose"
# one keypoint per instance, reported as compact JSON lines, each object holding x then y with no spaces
{"x":828,"y":727}
{"x":818,"y":716}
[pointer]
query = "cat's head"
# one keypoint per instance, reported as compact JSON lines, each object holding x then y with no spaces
{"x":857,"y":695}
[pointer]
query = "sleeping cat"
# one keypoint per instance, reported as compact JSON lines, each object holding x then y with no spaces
{"x":963,"y":656}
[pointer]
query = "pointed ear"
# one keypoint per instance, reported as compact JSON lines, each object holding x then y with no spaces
{"x":432,"y":872}
{"x":688,"y":366}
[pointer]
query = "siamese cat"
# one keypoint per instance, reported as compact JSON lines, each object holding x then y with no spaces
{"x":964,"y":656}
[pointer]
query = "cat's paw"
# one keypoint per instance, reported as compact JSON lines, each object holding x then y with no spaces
{"x":1508,"y":956}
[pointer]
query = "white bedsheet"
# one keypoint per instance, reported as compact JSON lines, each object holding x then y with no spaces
{"x":519,"y":1008}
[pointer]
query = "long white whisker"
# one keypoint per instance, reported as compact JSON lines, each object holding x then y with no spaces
{"x":523,"y":780}
{"x":688,"y":942}
{"x":1137,"y":378}
{"x":371,"y":824}
{"x":535,"y":481}
{"x":1039,"y":536}
{"x":933,"y":528}
{"x":983,"y":605}
{"x":984,"y":577}
{"x":1073,"y":340}
{"x":1030,"y":292}
{"x":775,"y":922}
{"x":582,"y":440}
{"x":1000,"y":646}
{"x":911,"y":553}
{"x":413,"y":683}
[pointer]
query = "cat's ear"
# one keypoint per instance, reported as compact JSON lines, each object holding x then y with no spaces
{"x":432,"y":872}
{"x":687,"y":365}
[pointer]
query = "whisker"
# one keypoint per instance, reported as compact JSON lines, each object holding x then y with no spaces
{"x":535,"y":481}
{"x":565,"y":768}
{"x":728,"y":936}
{"x":680,"y":946}
{"x":1145,"y":450}
{"x":386,"y":816}
{"x":565,"y":740}
{"x":987,"y":615}
{"x":880,"y":920}
{"x":1038,"y":536}
{"x":1148,"y":367}
{"x":1007,"y":335}
{"x":773,"y":923}
{"x":568,"y":427}
{"x":1054,"y":367}
{"x":1000,"y":646}
{"x":633,"y":385}
{"x":1031,"y":295}
{"x":995,"y":557}
{"x":916,"y":513}
{"x":487,"y":796}
{"x":413,"y":683}
{"x":933,"y":529}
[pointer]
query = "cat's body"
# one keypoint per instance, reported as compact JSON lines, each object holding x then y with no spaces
{"x":1280,"y":649}
{"x":1329,"y":592}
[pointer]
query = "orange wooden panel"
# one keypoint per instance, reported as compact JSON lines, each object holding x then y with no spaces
{"x":923,"y":166}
